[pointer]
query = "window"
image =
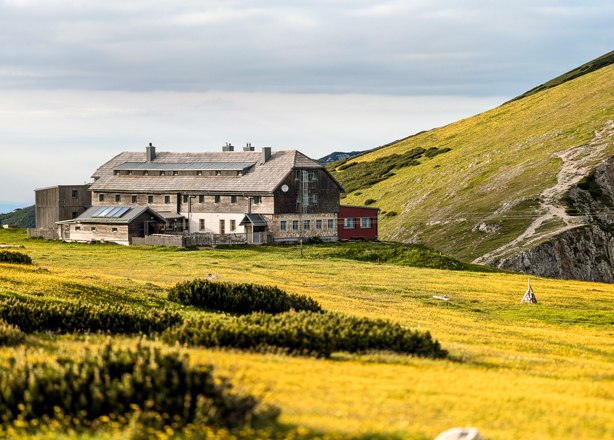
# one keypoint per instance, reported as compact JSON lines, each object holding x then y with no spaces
{"x":145,"y":173}
{"x":218,"y":199}
{"x":175,"y":173}
{"x":129,"y":172}
{"x":167,"y":199}
{"x":233,"y":200}
{"x":257,"y":200}
{"x":239,"y":173}
{"x":199,"y":173}
{"x":163,"y":173}
{"x":348,"y":223}
{"x":118,"y":198}
{"x":233,"y":225}
{"x":75,"y":214}
{"x":313,"y":199}
{"x":282,"y":226}
{"x":201,"y":199}
{"x":295,"y":225}
{"x":150,"y":199}
{"x":114,"y":230}
{"x":74,"y":194}
{"x":306,"y":225}
{"x":201,"y":224}
{"x":218,"y":173}
{"x":330,"y":224}
{"x":116,"y":172}
{"x":222,"y":226}
{"x":186,"y":198}
{"x":77,"y":228}
{"x":319,"y":225}
{"x":365,"y":222}
{"x":134,"y":199}
{"x":101,"y":197}
{"x":93,"y":228}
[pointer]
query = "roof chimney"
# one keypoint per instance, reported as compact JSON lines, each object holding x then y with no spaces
{"x":266,"y":154}
{"x":228,"y":147}
{"x":150,"y":153}
{"x":248,"y":147}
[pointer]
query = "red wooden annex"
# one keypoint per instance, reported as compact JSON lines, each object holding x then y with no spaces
{"x":357,"y":223}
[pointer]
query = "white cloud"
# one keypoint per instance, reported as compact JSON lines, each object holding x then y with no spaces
{"x":61,"y":137}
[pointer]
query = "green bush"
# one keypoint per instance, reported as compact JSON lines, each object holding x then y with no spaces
{"x":305,"y":333}
{"x":358,"y":175}
{"x":36,"y":316}
{"x":117,"y":382}
{"x":14,"y":257}
{"x":239,"y":298}
{"x":370,"y":202}
{"x":10,"y":335}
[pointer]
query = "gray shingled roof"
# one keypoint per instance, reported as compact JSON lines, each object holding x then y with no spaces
{"x":131,"y":213}
{"x":260,"y":179}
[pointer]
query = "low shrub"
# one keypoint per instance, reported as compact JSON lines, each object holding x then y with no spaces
{"x":239,"y":298}
{"x":304,"y":333}
{"x":391,"y":214}
{"x":14,"y":257}
{"x":10,"y":335}
{"x":370,"y":202}
{"x":36,"y":316}
{"x":117,"y":382}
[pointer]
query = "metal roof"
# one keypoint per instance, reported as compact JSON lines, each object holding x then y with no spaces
{"x":100,"y":215}
{"x":254,"y":219}
{"x":204,"y":166}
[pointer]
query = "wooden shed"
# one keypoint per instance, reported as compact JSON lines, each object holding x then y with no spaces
{"x":113,"y":224}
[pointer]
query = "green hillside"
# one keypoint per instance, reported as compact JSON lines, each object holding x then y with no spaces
{"x":488,"y":186}
{"x":591,"y":66}
{"x":20,"y":217}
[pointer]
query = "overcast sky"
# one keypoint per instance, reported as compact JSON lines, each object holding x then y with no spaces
{"x":82,"y":80}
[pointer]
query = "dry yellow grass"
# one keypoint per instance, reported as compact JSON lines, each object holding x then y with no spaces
{"x":516,"y":371}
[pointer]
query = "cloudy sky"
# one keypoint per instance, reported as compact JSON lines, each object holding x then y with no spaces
{"x":82,"y":80}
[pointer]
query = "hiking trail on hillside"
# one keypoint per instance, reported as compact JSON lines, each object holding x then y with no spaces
{"x":577,"y":162}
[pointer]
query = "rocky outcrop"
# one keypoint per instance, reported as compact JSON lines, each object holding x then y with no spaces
{"x":584,"y":252}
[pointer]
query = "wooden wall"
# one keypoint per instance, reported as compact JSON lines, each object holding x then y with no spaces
{"x":59,"y":203}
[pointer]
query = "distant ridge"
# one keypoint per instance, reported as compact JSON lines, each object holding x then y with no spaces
{"x":591,"y":66}
{"x":337,"y":155}
{"x":20,"y":217}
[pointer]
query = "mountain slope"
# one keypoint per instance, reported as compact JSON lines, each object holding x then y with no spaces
{"x":504,"y":177}
{"x":591,"y":66}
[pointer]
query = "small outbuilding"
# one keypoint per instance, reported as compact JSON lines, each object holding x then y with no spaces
{"x":358,"y":223}
{"x":113,"y":224}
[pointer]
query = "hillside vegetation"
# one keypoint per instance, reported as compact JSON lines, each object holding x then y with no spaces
{"x":514,"y":371}
{"x":20,"y":218}
{"x":490,"y":185}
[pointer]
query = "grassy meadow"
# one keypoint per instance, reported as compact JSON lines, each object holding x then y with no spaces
{"x":515,"y":371}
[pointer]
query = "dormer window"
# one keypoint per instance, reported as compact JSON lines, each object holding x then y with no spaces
{"x":145,"y":173}
{"x":175,"y":173}
{"x":129,"y":172}
{"x":218,"y":173}
{"x":163,"y":173}
{"x":116,"y":172}
{"x":239,"y":173}
{"x":199,"y":173}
